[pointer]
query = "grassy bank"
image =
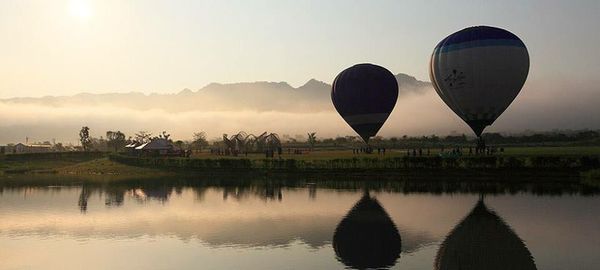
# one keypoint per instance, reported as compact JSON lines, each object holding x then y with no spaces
{"x":591,"y":177}
{"x":546,"y":166}
{"x":70,"y":167}
{"x":106,"y":167}
{"x":44,"y":162}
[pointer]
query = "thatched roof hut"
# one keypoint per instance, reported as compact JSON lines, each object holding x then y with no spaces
{"x":367,"y":238}
{"x":482,"y":240}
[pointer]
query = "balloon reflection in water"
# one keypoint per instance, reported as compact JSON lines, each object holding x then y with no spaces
{"x":367,"y":237}
{"x":482,"y":240}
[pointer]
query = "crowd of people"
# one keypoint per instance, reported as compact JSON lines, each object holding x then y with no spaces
{"x":479,"y":149}
{"x":368,"y":150}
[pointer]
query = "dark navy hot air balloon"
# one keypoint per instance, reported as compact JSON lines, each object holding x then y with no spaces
{"x":478,"y":72}
{"x":365,"y":95}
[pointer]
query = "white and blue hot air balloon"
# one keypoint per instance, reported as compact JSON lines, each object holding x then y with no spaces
{"x":478,"y":72}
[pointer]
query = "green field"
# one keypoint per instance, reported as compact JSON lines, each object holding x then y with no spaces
{"x":43,"y":162}
{"x":106,"y":167}
{"x":94,"y":166}
{"x":557,"y":151}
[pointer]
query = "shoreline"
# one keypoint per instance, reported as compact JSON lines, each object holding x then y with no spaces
{"x":97,"y":167}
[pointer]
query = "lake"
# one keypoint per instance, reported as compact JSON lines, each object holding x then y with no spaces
{"x":277,"y":225}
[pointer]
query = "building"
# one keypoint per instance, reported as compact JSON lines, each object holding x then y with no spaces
{"x":30,"y":148}
{"x":130,"y":148}
{"x":158,"y":147}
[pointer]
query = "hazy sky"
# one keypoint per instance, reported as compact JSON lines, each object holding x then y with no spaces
{"x":63,"y":47}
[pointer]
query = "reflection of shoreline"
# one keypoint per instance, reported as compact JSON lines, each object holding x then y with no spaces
{"x":189,"y":214}
{"x":425,"y":184}
{"x":483,"y":240}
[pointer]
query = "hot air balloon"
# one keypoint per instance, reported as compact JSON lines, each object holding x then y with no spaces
{"x":478,"y":72}
{"x":482,"y":240}
{"x":365,"y":95}
{"x":367,"y":238}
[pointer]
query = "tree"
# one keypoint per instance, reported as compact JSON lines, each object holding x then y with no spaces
{"x":179,"y":144}
{"x":58,"y":147}
{"x":84,"y":138}
{"x":99,"y":144}
{"x":199,"y":140}
{"x":142,"y":136}
{"x":116,"y":139}
{"x":312,"y":139}
{"x":164,"y":135}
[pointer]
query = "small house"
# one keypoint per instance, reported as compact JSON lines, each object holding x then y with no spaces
{"x":159,"y":147}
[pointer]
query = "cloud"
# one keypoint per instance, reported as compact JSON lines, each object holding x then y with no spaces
{"x":540,"y":106}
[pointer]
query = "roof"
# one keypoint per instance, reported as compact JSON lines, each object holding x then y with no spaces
{"x":34,"y":145}
{"x":40,"y":145}
{"x":156,"y":144}
{"x":132,"y":145}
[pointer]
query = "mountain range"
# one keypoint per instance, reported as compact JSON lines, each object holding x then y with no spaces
{"x":313,"y":96}
{"x":278,"y":107}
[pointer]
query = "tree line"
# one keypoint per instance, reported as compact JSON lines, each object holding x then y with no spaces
{"x":117,"y":140}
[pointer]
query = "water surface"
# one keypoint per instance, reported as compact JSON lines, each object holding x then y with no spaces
{"x":266,"y":226}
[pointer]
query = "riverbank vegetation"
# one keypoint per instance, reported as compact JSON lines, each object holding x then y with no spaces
{"x":91,"y":165}
{"x":106,"y":167}
{"x":542,"y":164}
{"x":369,"y":162}
{"x":592,"y":177}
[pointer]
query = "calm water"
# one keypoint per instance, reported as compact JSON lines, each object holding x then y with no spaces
{"x":299,"y":227}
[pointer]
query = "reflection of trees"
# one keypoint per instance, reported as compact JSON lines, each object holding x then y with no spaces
{"x":312,"y":191}
{"x":114,"y":195}
{"x":367,"y":237}
{"x":159,"y":193}
{"x":83,"y":198}
{"x":200,"y":193}
{"x":266,"y":192}
{"x":482,"y":240}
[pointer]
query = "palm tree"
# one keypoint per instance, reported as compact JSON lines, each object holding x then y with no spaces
{"x":312,"y":139}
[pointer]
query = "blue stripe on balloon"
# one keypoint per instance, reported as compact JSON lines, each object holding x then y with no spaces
{"x":478,"y":33}
{"x":480,"y":43}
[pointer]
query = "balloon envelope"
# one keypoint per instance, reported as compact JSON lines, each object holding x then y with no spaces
{"x":478,"y":72}
{"x":365,"y":95}
{"x":483,"y":240}
{"x":367,"y":238}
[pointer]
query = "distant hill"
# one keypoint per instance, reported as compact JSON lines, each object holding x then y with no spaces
{"x":314,"y":95}
{"x":278,"y":107}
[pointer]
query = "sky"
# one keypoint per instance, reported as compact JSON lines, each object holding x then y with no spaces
{"x":64,"y":47}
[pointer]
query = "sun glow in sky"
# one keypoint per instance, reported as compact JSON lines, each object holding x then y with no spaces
{"x":80,"y":9}
{"x":64,"y":47}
